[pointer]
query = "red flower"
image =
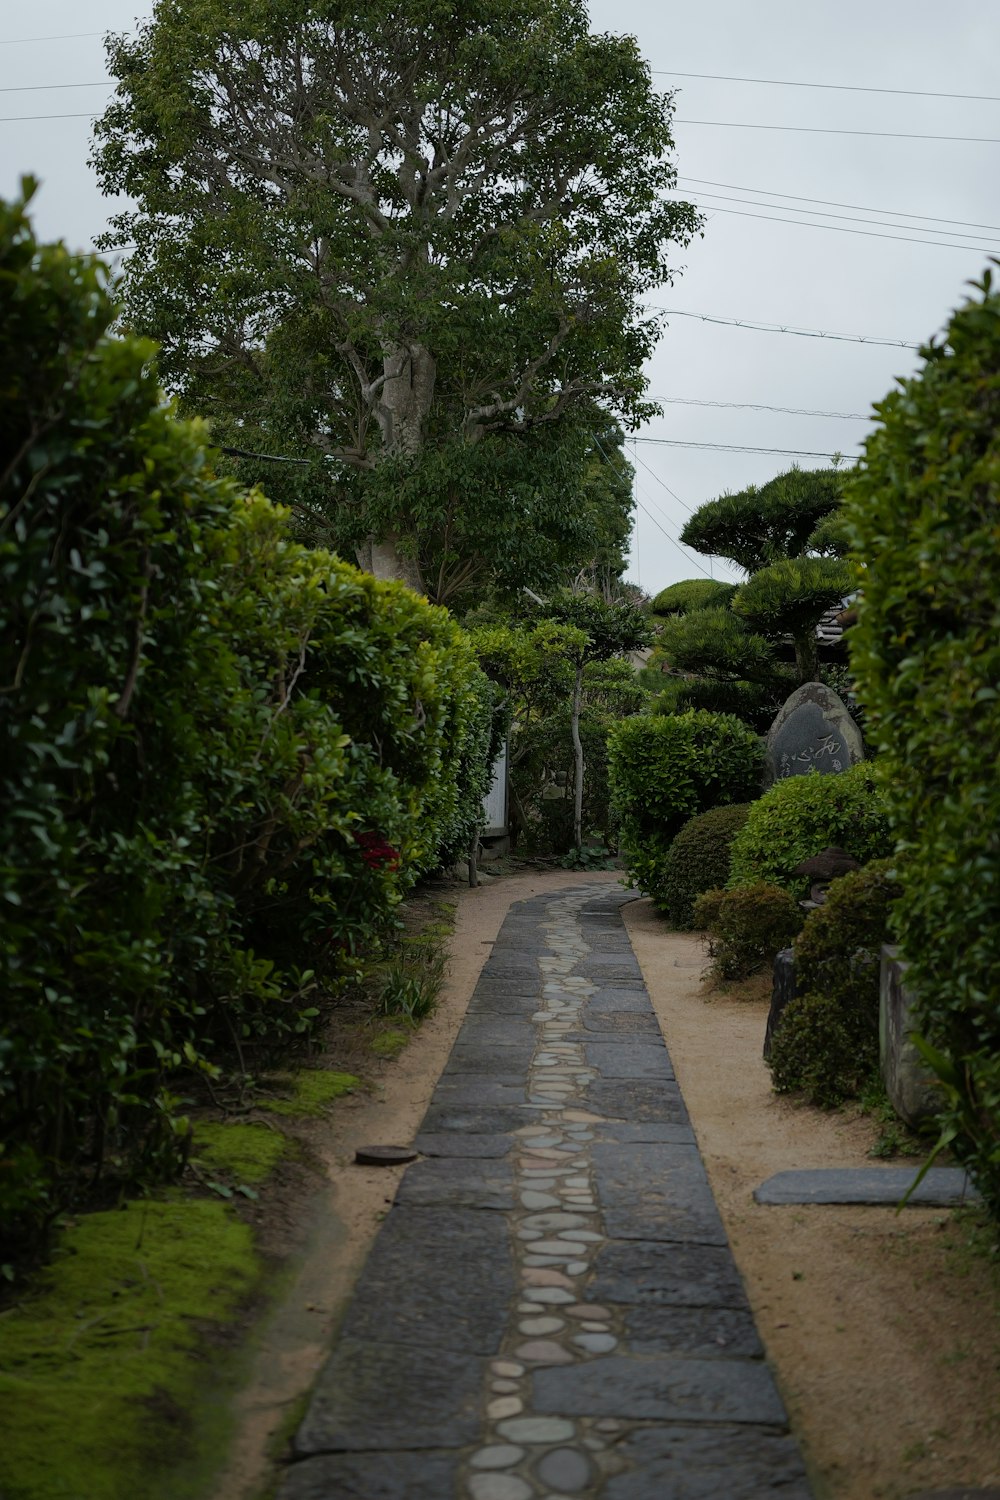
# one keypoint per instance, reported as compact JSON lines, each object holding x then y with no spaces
{"x":376,"y":852}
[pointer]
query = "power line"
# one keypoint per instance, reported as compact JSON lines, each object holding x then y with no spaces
{"x":819,"y":213}
{"x":31,"y":88}
{"x":660,"y":481}
{"x":895,"y":135}
{"x":832,"y":203}
{"x":793,"y":411}
{"x":870,"y":234}
{"x":851,"y":88}
{"x":620,"y":476}
{"x":804,"y":333}
{"x":732,"y":448}
{"x":86,"y":114}
{"x":66,"y":36}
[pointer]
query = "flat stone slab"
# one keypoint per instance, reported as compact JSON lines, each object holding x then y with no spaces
{"x":632,"y":1059}
{"x":699,"y":1332}
{"x":487,"y":1057}
{"x":662,"y":1390}
{"x":638,"y":1273}
{"x":456,"y":1143}
{"x":379,"y":1397}
{"x":656,"y":1192}
{"x":649,"y":1132}
{"x":617,"y":1024}
{"x":372,"y":1476}
{"x":636,"y":1100}
{"x":451,"y":1182}
{"x":942,"y":1187}
{"x":708,"y":1463}
{"x":423,"y":1282}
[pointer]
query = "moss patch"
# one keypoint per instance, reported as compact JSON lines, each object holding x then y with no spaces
{"x":249,"y":1153}
{"x":108,"y":1385}
{"x":312,"y":1091}
{"x":390,"y":1042}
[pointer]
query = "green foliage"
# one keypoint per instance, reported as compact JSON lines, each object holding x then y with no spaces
{"x":476,"y":287}
{"x":827,"y":1042}
{"x":762,"y":525}
{"x":665,"y":769}
{"x":698,"y":860}
{"x":692,"y":594}
{"x":926,"y":653}
{"x":225,"y":757}
{"x":747,"y":927}
{"x":800,"y":815}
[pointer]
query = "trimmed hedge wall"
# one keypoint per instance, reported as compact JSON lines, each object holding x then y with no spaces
{"x":800,"y":815}
{"x":225,"y":757}
{"x":665,"y":768}
{"x":923,"y":513}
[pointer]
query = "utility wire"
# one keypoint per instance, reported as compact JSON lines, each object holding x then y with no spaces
{"x":895,"y":135}
{"x":786,"y":208}
{"x":620,"y":476}
{"x":851,"y":88}
{"x":792,"y":411}
{"x":660,"y":481}
{"x":84,"y":114}
{"x":870,"y":234}
{"x":733,"y":448}
{"x":896,"y":213}
{"x":804,"y":333}
{"x":31,"y":88}
{"x":66,"y":36}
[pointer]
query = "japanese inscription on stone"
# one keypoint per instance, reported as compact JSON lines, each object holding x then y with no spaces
{"x":813,"y":731}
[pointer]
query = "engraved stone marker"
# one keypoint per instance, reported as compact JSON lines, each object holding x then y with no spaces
{"x":813,"y":731}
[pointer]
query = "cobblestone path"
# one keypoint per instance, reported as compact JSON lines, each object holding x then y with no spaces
{"x":551,"y":1307}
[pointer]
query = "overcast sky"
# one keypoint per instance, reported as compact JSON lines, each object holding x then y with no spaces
{"x":745,"y":268}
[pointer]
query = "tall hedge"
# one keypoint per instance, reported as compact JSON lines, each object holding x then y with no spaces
{"x":923,"y":510}
{"x":664,"y":768}
{"x":223,"y":756}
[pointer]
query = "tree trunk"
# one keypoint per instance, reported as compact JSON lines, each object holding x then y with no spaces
{"x":403,"y":408}
{"x":807,"y":656}
{"x":578,"y":754}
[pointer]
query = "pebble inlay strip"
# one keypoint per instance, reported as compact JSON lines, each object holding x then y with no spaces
{"x":556,"y":1233}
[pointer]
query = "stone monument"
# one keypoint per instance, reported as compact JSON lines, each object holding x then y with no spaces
{"x":812,"y":731}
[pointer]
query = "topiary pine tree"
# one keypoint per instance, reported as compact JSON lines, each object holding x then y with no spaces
{"x":784,"y":535}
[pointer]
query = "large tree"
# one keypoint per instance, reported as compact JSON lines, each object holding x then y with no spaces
{"x":409,"y":240}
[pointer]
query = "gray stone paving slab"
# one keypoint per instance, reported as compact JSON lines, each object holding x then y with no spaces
{"x":475,"y":1089}
{"x":635,"y":1059}
{"x":372,"y":1476}
{"x":708,"y":1463}
{"x":636,"y":1100}
{"x":656,"y":1192}
{"x":457,"y":1143}
{"x":662,"y":1390}
{"x":450,"y":1182}
{"x":501,"y":1032}
{"x":630,"y":1133}
{"x":423,"y":1281}
{"x":378,"y":1397}
{"x":619,"y":1025}
{"x":617,"y":998}
{"x":637,"y":1272}
{"x":702,"y":1332}
{"x":472,"y":1119}
{"x":942,"y":1187}
{"x":486,"y":1057}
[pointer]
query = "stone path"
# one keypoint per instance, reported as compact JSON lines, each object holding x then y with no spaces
{"x":551,"y":1307}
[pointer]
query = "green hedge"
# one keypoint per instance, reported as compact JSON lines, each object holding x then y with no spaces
{"x":698,"y":860}
{"x":827,"y":1041}
{"x":926,"y":653}
{"x":800,"y":815}
{"x":747,"y":927}
{"x":225,"y":757}
{"x":666,"y":768}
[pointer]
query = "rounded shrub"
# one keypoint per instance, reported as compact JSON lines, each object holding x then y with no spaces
{"x":698,"y":860}
{"x":747,"y":927}
{"x":827,"y":1041}
{"x":666,"y":768}
{"x":926,"y":654}
{"x":800,"y":815}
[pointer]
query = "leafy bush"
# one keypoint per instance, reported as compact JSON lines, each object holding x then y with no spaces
{"x":827,"y":1041}
{"x":224,"y":756}
{"x":698,"y":860}
{"x":926,"y":654}
{"x":747,"y":927}
{"x":692,"y":594}
{"x":664,"y":769}
{"x":800,"y":815}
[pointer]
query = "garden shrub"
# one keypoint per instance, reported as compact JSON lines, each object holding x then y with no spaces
{"x":800,"y":815}
{"x":747,"y":927}
{"x":827,"y":1041}
{"x":666,"y":768}
{"x":698,"y":860}
{"x":926,"y":654}
{"x":224,"y":756}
